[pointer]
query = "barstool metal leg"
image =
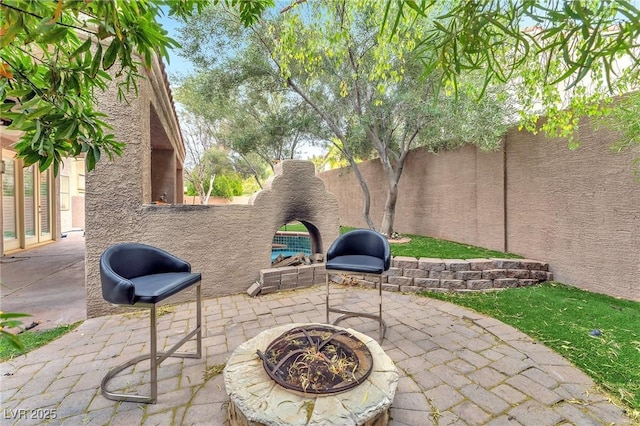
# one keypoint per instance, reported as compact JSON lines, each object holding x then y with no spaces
{"x":327,"y":296}
{"x":382,"y":325}
{"x":155,"y":357}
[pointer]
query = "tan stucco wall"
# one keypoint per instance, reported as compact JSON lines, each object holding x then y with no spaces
{"x":228,"y":244}
{"x":455,"y":195}
{"x":577,"y":210}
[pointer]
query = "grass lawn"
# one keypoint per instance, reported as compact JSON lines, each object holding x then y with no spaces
{"x":420,"y":246}
{"x":599,"y":334}
{"x":294,"y":227}
{"x":34,"y":339}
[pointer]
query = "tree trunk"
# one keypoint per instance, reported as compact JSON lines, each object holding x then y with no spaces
{"x":205,"y":201}
{"x":389,"y":210}
{"x":344,"y":149}
{"x":254,"y":172}
{"x":201,"y":191}
{"x":393,"y":178}
{"x":257,"y":179}
{"x":365,"y":193}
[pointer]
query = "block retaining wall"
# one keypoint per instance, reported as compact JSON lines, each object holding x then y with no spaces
{"x":409,"y":274}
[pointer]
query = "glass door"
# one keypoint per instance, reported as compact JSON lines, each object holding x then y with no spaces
{"x":30,"y":206}
{"x":10,"y":222}
{"x":37,"y":205}
{"x":27,"y":204}
{"x":44,"y":207}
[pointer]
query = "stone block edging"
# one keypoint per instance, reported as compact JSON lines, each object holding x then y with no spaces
{"x":412,"y":275}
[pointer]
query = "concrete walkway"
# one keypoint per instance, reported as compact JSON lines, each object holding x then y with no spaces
{"x":456,"y":366}
{"x":46,"y":282}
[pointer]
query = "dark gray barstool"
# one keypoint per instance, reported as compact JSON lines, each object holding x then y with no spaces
{"x":140,"y":275}
{"x":360,"y":250}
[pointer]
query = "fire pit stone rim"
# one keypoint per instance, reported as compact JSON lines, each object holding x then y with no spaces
{"x":261,"y":400}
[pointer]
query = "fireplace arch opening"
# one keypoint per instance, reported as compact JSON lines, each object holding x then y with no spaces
{"x":296,"y":238}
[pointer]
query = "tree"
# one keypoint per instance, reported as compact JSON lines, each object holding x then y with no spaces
{"x":227,"y":186}
{"x":254,"y":117}
{"x":57,"y":54}
{"x":393,"y":105}
{"x":250,"y":166}
{"x":365,"y":87}
{"x":568,"y":58}
{"x":625,"y":119}
{"x":202,"y":157}
{"x":252,"y":111}
{"x":241,"y":87}
{"x":214,"y":173}
{"x":46,"y":66}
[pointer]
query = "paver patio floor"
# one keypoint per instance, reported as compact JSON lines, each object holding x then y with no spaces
{"x":456,"y":366}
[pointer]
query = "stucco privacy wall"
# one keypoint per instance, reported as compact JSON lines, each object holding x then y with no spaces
{"x":228,"y":244}
{"x":455,"y":195}
{"x":577,"y":210}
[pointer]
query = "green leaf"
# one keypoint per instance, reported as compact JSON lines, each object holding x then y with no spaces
{"x":10,"y":34}
{"x":44,"y":165}
{"x":7,"y":315}
{"x":96,"y":153}
{"x":45,"y":25}
{"x":37,"y":113}
{"x":97,"y":58}
{"x":30,"y":158}
{"x":90,"y":160}
{"x":36,"y":135}
{"x":84,"y":47}
{"x":17,"y":93}
{"x":111,"y":54}
{"x":413,"y":5}
{"x":66,"y":129}
{"x":33,"y":103}
{"x":12,"y":339}
{"x":54,"y":36}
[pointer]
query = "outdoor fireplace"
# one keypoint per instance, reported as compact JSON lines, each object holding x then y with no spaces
{"x":301,"y":374}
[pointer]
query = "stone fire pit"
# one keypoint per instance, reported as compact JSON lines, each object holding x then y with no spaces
{"x":256,"y":399}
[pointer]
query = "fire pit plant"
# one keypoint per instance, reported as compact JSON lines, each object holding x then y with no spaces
{"x":317,"y":359}
{"x":312,"y":368}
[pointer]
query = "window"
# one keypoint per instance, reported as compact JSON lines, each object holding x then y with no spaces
{"x":80,"y":183}
{"x":65,"y":193}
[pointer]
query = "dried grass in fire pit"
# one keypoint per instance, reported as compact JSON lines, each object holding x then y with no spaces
{"x":318,"y":359}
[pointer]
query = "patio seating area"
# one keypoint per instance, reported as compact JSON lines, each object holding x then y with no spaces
{"x":456,"y":366}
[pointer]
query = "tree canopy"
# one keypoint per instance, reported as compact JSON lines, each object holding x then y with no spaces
{"x":583,"y":35}
{"x":366,"y":89}
{"x":250,"y":110}
{"x":56,"y":54}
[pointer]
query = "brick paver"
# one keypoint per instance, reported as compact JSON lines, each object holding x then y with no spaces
{"x":456,"y":366}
